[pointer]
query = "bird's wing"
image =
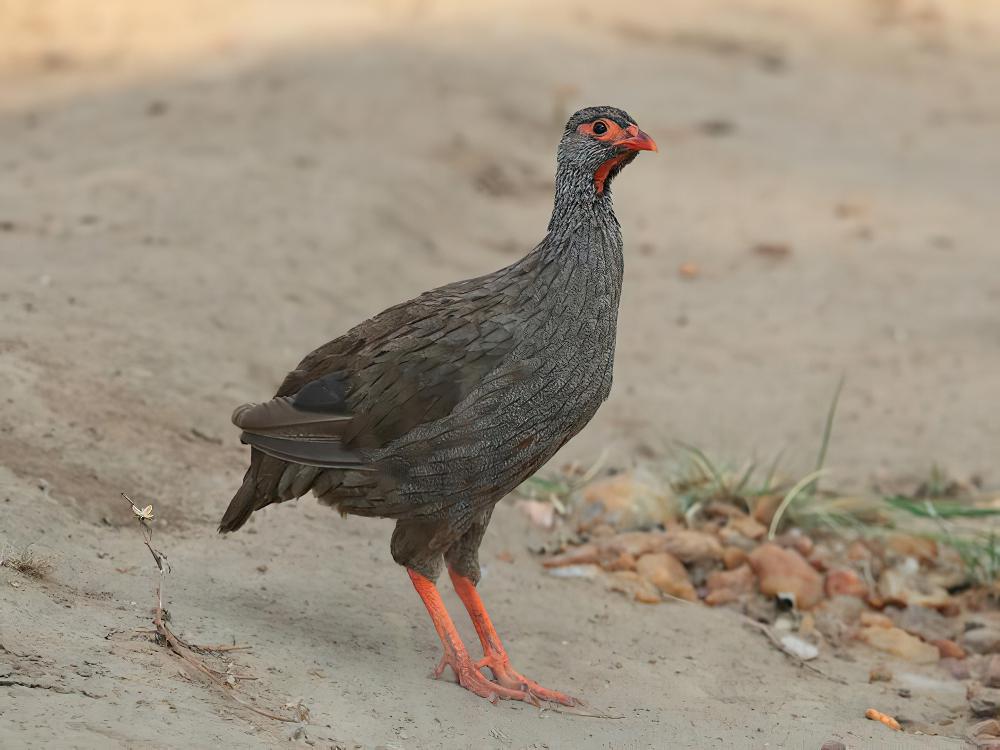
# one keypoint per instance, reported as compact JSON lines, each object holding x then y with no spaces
{"x":410,"y":365}
{"x":306,"y":428}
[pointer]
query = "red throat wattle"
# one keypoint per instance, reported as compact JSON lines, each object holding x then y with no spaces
{"x":631,"y":139}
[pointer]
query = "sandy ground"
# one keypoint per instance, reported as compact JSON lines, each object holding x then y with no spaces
{"x":188,"y":208}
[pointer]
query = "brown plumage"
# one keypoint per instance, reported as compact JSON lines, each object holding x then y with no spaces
{"x":436,"y":408}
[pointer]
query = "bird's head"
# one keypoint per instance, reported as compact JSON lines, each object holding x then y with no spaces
{"x":601,"y":141}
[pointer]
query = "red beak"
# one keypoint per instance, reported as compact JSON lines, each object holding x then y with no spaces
{"x":635,"y":140}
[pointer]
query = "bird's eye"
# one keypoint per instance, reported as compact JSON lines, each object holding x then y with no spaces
{"x":600,"y":127}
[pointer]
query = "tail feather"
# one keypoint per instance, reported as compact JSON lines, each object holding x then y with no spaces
{"x":241,"y":506}
{"x":260,"y":488}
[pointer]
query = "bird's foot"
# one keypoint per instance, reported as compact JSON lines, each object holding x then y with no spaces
{"x":468,"y":675}
{"x":506,"y":676}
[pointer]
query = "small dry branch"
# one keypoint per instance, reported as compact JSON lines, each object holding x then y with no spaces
{"x":225,"y":681}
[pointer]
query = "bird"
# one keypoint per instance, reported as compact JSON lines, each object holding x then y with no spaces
{"x":433,"y":410}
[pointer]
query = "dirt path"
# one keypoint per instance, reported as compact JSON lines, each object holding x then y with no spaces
{"x":186,"y":211}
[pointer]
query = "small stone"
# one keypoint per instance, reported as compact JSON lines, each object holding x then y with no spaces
{"x":799,"y":647}
{"x":906,"y":585}
{"x":725,"y":586}
{"x":692,"y":546}
{"x":957,"y":668}
{"x":730,"y":537}
{"x":631,"y":584}
{"x":992,"y":678}
{"x":747,"y":526}
{"x":624,"y":561}
{"x":719,"y":509}
{"x":668,"y":574}
{"x":796,"y":540}
{"x":836,"y":618}
{"x":925,"y":622}
{"x":773,"y":250}
{"x":899,"y":643}
{"x":875,"y":620}
{"x":858,"y":551}
{"x":607,"y":549}
{"x":880,"y":673}
{"x":542,"y":514}
{"x":765,"y":507}
{"x":575,"y":571}
{"x":599,"y":530}
{"x":982,"y":640}
{"x":785,"y":571}
{"x":844,"y":582}
{"x":983,"y":701}
{"x":688,"y":270}
{"x":949,"y":649}
{"x":733,"y":557}
{"x":985,"y":729}
{"x":906,"y":545}
{"x":627,"y":501}
{"x":635,"y":543}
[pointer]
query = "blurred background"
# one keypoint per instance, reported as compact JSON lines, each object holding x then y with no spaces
{"x":195,"y":194}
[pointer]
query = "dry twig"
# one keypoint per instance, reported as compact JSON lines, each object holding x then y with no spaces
{"x":225,"y":681}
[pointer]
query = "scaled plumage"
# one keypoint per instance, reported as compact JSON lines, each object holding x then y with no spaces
{"x":433,"y":410}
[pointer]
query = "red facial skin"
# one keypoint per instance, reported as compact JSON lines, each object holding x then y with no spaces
{"x":631,"y":139}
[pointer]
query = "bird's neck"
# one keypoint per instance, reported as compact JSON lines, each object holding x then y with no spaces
{"x":577,"y":201}
{"x":583,"y":227}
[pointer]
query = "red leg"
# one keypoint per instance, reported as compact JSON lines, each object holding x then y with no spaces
{"x":455,"y":654}
{"x":494,"y":655}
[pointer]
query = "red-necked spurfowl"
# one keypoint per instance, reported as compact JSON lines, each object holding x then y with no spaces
{"x":436,"y":408}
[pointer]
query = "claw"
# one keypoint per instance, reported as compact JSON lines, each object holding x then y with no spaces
{"x":505,"y":675}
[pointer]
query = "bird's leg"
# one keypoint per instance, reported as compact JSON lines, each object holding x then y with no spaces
{"x":455,"y":654}
{"x":494,"y":655}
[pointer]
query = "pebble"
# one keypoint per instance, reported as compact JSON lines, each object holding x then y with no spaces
{"x":982,"y":640}
{"x":748,"y":526}
{"x":799,"y":647}
{"x":836,"y":617}
{"x":668,"y":574}
{"x":733,"y":557}
{"x":875,"y":620}
{"x":926,"y":623}
{"x":983,"y":701}
{"x":880,"y":673}
{"x":992,"y":678}
{"x":626,"y":501}
{"x":624,"y":561}
{"x":541,"y":513}
{"x":632,"y":584}
{"x":985,"y":729}
{"x":785,"y":571}
{"x":899,"y":643}
{"x":765,"y":507}
{"x":906,"y":585}
{"x":797,"y":541}
{"x":725,"y":586}
{"x":844,"y":582}
{"x":949,"y":649}
{"x":957,"y":668}
{"x":575,"y":571}
{"x":906,"y":545}
{"x":692,"y":546}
